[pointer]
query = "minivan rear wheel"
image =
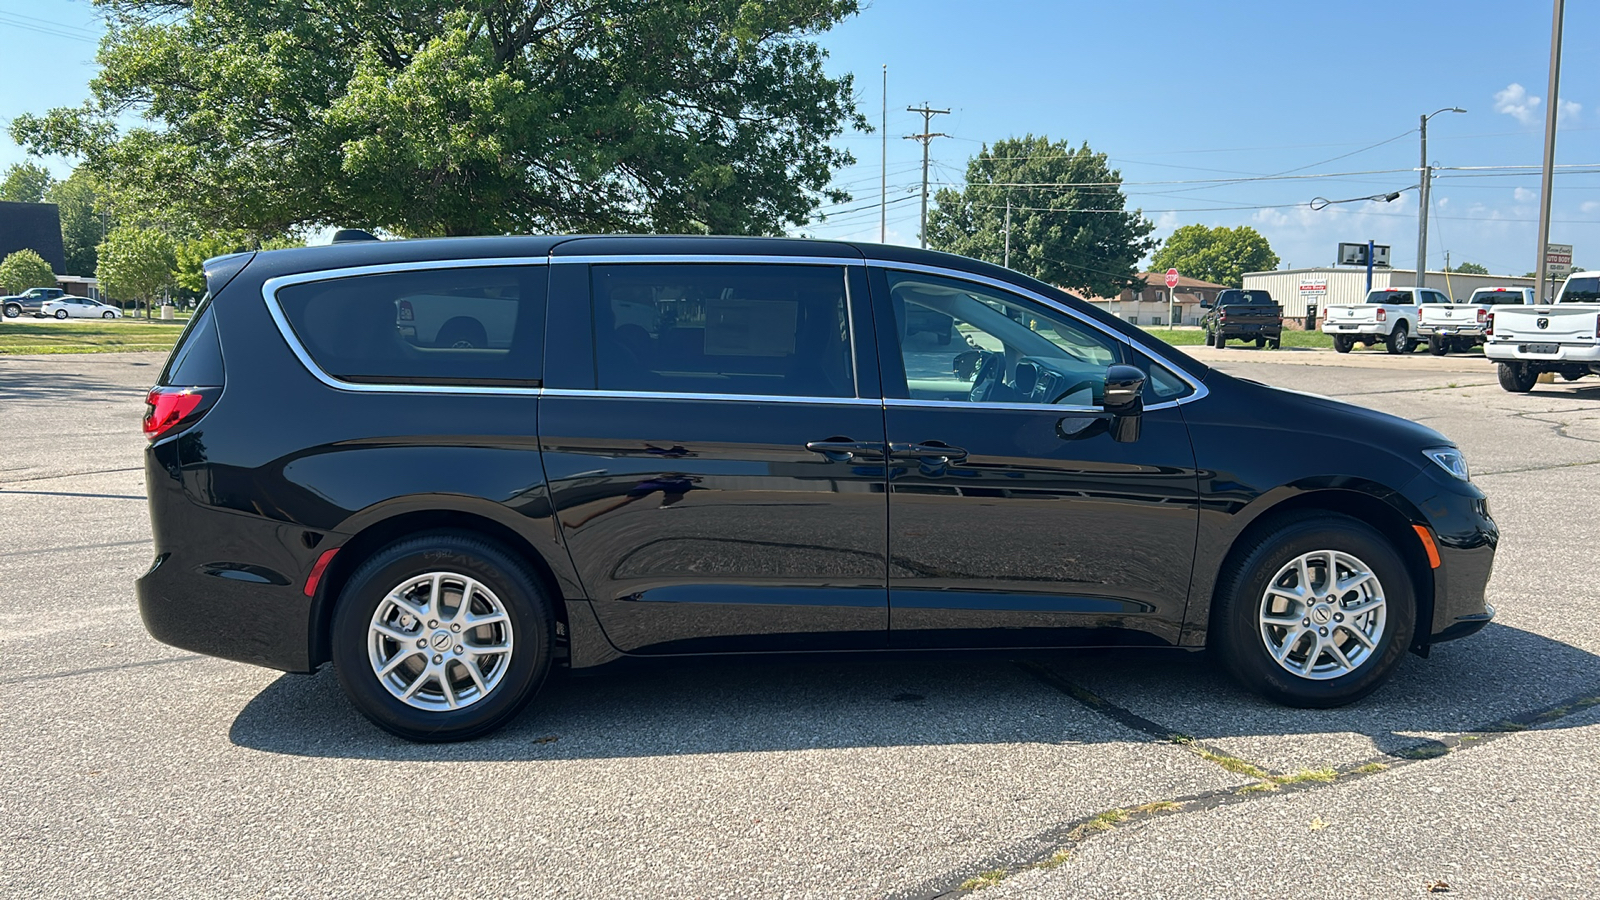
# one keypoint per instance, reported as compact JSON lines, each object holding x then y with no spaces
{"x":442,"y":637}
{"x":1315,"y":612}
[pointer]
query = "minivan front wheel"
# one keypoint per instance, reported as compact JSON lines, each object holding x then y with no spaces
{"x":1316,"y":612}
{"x":441,"y":637}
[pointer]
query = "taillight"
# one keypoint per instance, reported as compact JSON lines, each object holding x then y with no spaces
{"x":1383,"y":314}
{"x":1483,"y":316}
{"x":168,"y":407}
{"x":1488,"y":327}
{"x":1597,"y":327}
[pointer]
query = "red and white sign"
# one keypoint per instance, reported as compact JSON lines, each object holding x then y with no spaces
{"x":1172,"y":278}
{"x":1313,"y":285}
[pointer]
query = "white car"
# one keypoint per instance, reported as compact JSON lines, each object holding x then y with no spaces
{"x":79,"y":308}
{"x":1561,"y":337}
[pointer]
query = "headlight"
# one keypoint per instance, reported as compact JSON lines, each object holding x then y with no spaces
{"x":1450,"y":460}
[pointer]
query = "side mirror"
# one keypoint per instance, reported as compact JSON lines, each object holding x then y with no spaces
{"x":1124,"y":399}
{"x":1206,"y":304}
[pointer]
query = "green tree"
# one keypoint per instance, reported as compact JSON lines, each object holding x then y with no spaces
{"x":1219,"y":255}
{"x":436,"y":117}
{"x":82,"y":224}
{"x":25,"y":269}
{"x":1468,"y":268}
{"x":1069,"y":225}
{"x":136,"y":264}
{"x":25,"y":182}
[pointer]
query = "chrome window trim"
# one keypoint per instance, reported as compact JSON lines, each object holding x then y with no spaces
{"x":1200,"y":390}
{"x":996,"y":407}
{"x":665,"y":258}
{"x":749,"y":398}
{"x":269,"y":296}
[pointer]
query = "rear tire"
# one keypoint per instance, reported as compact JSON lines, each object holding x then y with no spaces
{"x":1399,"y":340}
{"x":1518,"y":378}
{"x":448,"y":700}
{"x":13,"y":310}
{"x":1355,"y":637}
{"x":1260,"y":342}
{"x":1275,"y":343}
{"x":1439,"y":346}
{"x":1343,"y":343}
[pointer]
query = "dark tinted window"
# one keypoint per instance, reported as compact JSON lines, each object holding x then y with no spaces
{"x":1253,"y":297}
{"x":196,"y":361}
{"x":1581,"y":290}
{"x":723,"y":329}
{"x":433,"y":326}
{"x":1395,"y":298}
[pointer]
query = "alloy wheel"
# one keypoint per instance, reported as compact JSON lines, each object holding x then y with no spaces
{"x":440,"y":641}
{"x":1323,"y":615}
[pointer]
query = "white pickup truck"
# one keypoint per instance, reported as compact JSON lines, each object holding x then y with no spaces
{"x":1389,"y":317}
{"x":1562,"y":337}
{"x":1460,"y":326}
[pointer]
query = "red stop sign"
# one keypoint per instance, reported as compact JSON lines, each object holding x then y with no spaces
{"x":1172,"y":278}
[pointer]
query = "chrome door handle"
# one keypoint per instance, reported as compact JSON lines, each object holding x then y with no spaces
{"x":841,"y":449}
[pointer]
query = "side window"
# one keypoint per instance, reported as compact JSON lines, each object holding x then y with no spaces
{"x":196,"y":360}
{"x":433,"y":326}
{"x":962,"y":341}
{"x":772,"y":330}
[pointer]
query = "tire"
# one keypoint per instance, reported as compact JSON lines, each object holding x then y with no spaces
{"x":504,"y":587}
{"x":13,"y":310}
{"x":1518,"y":378}
{"x":61,"y":314}
{"x":1275,"y":343}
{"x":108,"y":315}
{"x":1313,"y":674}
{"x":1343,"y":343}
{"x":1439,"y":346}
{"x":1260,"y":342}
{"x":1399,"y":340}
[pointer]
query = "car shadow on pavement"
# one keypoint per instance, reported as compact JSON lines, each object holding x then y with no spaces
{"x":732,"y":707}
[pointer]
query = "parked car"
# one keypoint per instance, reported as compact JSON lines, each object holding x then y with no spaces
{"x":446,"y":524}
{"x":30,"y":301}
{"x":1389,"y":316}
{"x":1561,"y":337}
{"x":1460,"y":326}
{"x":78,"y":308}
{"x":1243,"y":315}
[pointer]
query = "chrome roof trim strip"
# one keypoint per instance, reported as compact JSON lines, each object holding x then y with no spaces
{"x":628,"y":258}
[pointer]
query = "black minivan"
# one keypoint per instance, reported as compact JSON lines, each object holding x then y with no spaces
{"x":446,"y":466}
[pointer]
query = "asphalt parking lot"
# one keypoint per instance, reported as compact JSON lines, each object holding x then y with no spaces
{"x":134,"y":769}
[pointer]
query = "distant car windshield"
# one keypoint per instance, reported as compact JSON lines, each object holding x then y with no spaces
{"x":1582,"y":290}
{"x":1398,"y":298}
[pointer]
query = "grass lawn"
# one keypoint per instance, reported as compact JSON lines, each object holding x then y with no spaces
{"x":1197,"y":337}
{"x":25,"y":335}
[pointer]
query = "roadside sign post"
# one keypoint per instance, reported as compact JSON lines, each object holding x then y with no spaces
{"x":1557,"y":262}
{"x":1369,"y":267}
{"x":1172,"y":297}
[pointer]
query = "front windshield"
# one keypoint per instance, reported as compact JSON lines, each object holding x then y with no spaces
{"x":1395,"y":298}
{"x":1585,"y":289}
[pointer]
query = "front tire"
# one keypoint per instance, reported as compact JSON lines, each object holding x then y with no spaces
{"x":442,"y":637}
{"x":1518,"y":378}
{"x":108,"y":315}
{"x":13,"y":310}
{"x":1315,"y":612}
{"x":61,"y":314}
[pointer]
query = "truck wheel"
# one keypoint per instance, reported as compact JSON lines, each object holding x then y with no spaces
{"x":1260,"y":342}
{"x":1316,"y":611}
{"x":1438,"y":346}
{"x":1275,"y":343}
{"x":1218,"y":341}
{"x":1343,"y":343}
{"x":1399,"y":339}
{"x":1518,"y":378}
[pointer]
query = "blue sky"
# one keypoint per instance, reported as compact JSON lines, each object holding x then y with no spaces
{"x":1172,"y":92}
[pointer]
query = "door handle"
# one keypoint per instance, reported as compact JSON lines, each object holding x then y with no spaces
{"x":842,"y":449}
{"x":932,"y":451}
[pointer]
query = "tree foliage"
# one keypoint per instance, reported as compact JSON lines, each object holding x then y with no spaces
{"x":436,"y":117}
{"x":25,"y":269}
{"x":1219,"y":255}
{"x":136,"y":263}
{"x":83,"y":226}
{"x":1468,"y":268}
{"x":1069,"y":224}
{"x":25,"y":182}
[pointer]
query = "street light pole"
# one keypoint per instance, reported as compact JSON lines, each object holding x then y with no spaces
{"x":1547,"y":183}
{"x":1426,"y":199}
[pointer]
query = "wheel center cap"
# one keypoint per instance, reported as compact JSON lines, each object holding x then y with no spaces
{"x":1322,"y":614}
{"x":440,"y":640}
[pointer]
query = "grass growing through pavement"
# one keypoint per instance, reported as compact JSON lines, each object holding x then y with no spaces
{"x":22,"y":335}
{"x":1186,"y":337}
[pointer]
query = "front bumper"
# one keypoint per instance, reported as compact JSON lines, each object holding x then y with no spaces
{"x":1466,"y":537}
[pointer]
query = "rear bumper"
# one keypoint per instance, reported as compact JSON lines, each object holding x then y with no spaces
{"x":1515,"y":350}
{"x":1451,"y":330}
{"x":1354,"y":329}
{"x":1272,"y":330}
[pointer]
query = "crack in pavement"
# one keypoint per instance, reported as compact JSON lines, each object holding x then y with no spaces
{"x":1054,"y":846}
{"x":73,"y":673}
{"x":69,"y":475}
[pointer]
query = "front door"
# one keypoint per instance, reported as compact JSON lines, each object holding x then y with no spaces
{"x":718,"y":473}
{"x":1016,"y":518}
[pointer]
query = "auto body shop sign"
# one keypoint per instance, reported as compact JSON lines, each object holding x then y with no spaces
{"x":1313,"y":286}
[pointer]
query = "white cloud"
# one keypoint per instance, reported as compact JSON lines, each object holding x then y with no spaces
{"x":1566,"y":109}
{"x":1592,"y":206}
{"x":1515,"y":102}
{"x":1523,"y":195}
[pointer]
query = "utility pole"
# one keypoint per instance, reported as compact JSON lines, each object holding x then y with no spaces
{"x":1426,"y":189}
{"x":883,"y":173}
{"x":1546,"y":183}
{"x":926,"y":137}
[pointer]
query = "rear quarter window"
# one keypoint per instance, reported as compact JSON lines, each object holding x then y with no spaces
{"x":468,"y":326}
{"x":196,"y":360}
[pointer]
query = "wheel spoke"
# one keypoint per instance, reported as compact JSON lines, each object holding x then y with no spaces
{"x":421,"y":679}
{"x":405,"y":604}
{"x":489,"y":649}
{"x":1282,"y":651}
{"x":1304,"y":570}
{"x":395,"y":661}
{"x":435,"y":594}
{"x":393,"y":633}
{"x":1361,"y":609}
{"x":471,"y":621}
{"x":444,"y":686}
{"x":468,"y":586}
{"x":1331,"y":577}
{"x":1338,"y":654}
{"x":1361,"y":637}
{"x":1351,"y":583}
{"x":1312,"y":655}
{"x":471,"y":665}
{"x":1280,"y":621}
